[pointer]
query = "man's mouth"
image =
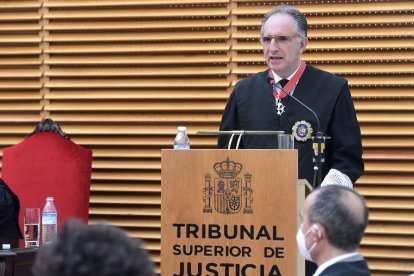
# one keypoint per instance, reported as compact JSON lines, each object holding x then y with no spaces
{"x":276,"y":58}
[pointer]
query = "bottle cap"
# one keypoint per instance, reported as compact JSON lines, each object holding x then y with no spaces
{"x":182,"y":128}
{"x":5,"y":246}
{"x":49,"y":198}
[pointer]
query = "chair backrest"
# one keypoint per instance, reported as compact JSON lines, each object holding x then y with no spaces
{"x":47,"y":164}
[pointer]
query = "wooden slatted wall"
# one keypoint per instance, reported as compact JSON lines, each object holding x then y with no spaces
{"x":120,"y":76}
{"x":20,"y":69}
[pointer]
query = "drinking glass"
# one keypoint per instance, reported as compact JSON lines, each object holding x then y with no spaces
{"x":31,"y":227}
{"x":285,"y":141}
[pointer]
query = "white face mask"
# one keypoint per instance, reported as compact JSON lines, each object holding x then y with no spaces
{"x":301,"y":240}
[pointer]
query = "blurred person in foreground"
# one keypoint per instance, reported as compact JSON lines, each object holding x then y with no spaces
{"x":94,"y":250}
{"x":334,"y":219}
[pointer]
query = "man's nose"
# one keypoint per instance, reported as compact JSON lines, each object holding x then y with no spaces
{"x":273,"y":45}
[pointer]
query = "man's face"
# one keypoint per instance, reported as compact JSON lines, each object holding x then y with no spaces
{"x":282,"y":47}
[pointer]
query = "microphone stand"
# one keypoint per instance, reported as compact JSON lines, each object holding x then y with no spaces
{"x":320,"y":140}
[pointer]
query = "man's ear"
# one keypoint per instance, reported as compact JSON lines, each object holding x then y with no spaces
{"x":303,"y":44}
{"x":316,"y":230}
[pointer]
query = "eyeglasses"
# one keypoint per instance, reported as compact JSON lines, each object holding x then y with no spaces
{"x":279,"y":39}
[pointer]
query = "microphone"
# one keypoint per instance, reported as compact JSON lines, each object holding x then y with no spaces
{"x":319,"y":133}
{"x":270,"y":81}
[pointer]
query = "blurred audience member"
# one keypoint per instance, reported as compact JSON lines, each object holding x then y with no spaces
{"x":94,"y":250}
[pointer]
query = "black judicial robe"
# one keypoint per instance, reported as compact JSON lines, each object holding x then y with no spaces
{"x":9,"y":214}
{"x":251,"y":106}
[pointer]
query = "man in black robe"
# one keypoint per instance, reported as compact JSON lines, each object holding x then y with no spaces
{"x":9,"y":214}
{"x":258,"y":103}
{"x":253,"y":105}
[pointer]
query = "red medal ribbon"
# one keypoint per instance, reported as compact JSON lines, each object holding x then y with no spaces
{"x":290,"y":84}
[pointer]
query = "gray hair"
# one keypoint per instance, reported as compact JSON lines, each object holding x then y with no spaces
{"x":343,"y":226}
{"x":302,"y":24}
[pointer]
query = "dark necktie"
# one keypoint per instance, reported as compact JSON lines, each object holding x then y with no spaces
{"x":283,"y":82}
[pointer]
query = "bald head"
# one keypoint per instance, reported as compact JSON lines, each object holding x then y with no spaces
{"x":355,"y":204}
{"x":343,"y":213}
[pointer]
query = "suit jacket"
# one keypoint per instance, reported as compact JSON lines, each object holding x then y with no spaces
{"x":251,"y":106}
{"x":355,"y":266}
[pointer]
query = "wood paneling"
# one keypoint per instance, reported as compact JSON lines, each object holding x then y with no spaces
{"x":20,"y":72}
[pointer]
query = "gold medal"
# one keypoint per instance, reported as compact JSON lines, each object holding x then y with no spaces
{"x":302,"y":131}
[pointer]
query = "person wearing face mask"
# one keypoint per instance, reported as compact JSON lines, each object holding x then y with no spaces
{"x":334,"y":219}
{"x":255,"y":104}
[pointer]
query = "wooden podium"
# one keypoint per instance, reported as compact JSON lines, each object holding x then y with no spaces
{"x":230,"y":212}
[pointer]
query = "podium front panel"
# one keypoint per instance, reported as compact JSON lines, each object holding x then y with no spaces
{"x":229,"y":212}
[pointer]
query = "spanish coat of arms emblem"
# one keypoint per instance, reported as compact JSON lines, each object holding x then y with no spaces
{"x":228,"y":193}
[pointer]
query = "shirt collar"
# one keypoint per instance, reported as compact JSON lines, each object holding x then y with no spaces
{"x":337,"y":259}
{"x":277,"y":78}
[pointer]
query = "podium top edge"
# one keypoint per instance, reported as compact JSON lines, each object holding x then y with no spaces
{"x":241,"y":132}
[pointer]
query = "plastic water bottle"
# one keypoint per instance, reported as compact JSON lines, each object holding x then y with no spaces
{"x":181,"y":141}
{"x":49,"y":221}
